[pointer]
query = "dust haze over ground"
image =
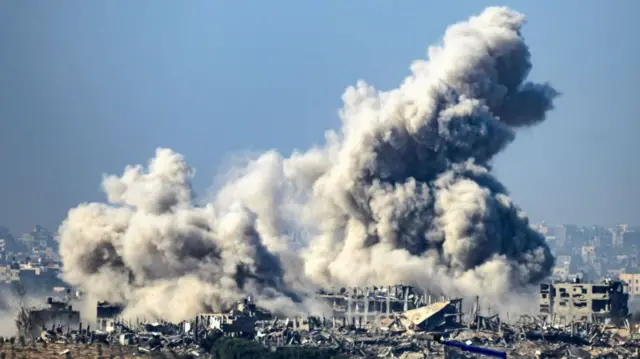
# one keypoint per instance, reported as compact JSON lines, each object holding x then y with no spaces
{"x":10,"y":304}
{"x":8,"y":311}
{"x":403,"y":192}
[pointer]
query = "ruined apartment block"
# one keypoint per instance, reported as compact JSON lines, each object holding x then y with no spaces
{"x":352,"y":304}
{"x":586,"y":302}
{"x":58,"y":315}
{"x":358,"y":306}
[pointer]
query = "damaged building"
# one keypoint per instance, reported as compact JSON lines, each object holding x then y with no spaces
{"x":239,"y":321}
{"x":57,"y":315}
{"x":589,"y":302}
{"x":107,"y":315}
{"x":364,"y":304}
{"x":435,"y":329}
{"x":437,"y":316}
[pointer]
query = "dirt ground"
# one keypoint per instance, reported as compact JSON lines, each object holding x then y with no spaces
{"x":80,"y":351}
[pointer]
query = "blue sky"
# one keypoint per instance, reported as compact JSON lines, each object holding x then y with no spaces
{"x":87,"y":87}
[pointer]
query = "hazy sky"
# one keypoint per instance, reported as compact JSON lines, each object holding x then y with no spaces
{"x":87,"y":87}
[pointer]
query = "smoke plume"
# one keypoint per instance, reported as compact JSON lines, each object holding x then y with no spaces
{"x":402,"y":193}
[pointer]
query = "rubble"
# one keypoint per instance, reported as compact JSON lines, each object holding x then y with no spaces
{"x":421,"y":328}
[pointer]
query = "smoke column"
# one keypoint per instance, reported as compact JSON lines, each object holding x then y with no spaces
{"x":402,"y":193}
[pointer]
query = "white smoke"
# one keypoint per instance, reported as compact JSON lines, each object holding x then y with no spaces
{"x":402,"y":193}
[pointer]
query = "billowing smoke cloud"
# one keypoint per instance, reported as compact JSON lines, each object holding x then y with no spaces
{"x":155,"y":251}
{"x":402,"y":193}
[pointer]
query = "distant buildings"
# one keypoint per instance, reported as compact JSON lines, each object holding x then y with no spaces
{"x":593,"y":252}
{"x":30,"y":261}
{"x":562,"y":269}
{"x":586,"y":252}
{"x":9,"y":274}
{"x":8,"y":243}
{"x":633,"y":282}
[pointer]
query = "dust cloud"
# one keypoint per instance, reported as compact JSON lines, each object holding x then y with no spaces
{"x":402,"y":193}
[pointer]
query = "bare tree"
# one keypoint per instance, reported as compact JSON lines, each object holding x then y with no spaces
{"x":24,"y":321}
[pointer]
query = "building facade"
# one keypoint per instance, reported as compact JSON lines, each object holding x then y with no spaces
{"x":633,"y":282}
{"x":589,"y":302}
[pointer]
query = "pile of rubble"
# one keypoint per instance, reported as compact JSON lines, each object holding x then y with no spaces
{"x":435,"y":330}
{"x":148,"y":340}
{"x":533,"y":340}
{"x":521,"y":341}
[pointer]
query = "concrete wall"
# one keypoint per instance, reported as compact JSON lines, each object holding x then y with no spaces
{"x":583,"y":301}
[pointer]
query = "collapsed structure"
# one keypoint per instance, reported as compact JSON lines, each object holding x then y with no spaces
{"x":587,"y":302}
{"x":402,"y":322}
{"x":382,"y":307}
{"x":239,"y":321}
{"x":355,"y":302}
{"x":107,"y":314}
{"x":58,"y":315}
{"x":358,"y":307}
{"x":404,"y":334}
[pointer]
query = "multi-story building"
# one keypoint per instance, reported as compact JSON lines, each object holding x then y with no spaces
{"x":631,"y":240}
{"x":588,"y":254}
{"x":617,"y":234}
{"x":633,"y":282}
{"x":8,"y":274}
{"x":560,"y":234}
{"x":589,"y":302}
{"x":562,"y":268}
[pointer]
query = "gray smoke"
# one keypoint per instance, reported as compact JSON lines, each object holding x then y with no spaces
{"x":402,"y":193}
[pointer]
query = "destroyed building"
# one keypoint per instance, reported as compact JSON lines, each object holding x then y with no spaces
{"x":106,"y":315}
{"x":355,"y":304}
{"x":239,"y":321}
{"x":434,"y":317}
{"x":57,"y":315}
{"x":589,"y":302}
{"x":435,"y":329}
